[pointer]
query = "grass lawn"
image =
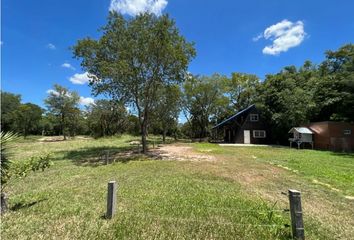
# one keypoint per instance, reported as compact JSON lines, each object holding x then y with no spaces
{"x":234,"y":196}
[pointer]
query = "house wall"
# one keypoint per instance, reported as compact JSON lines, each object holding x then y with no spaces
{"x":248,"y":125}
{"x":330,"y":136}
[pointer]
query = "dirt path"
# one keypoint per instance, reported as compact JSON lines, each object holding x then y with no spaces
{"x":181,"y":153}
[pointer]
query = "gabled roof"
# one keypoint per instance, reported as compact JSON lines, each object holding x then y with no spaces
{"x":304,"y":130}
{"x":234,"y":116}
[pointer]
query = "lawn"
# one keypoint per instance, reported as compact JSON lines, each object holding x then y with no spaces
{"x":234,"y":196}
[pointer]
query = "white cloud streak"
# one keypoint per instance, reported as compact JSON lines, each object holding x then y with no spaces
{"x":80,"y":78}
{"x":86,"y":101}
{"x":51,"y":91}
{"x":135,"y":7}
{"x":68,"y":65}
{"x":51,"y":46}
{"x":284,"y":35}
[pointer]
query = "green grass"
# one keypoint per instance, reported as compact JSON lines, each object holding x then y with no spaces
{"x":334,"y":169}
{"x":156,"y":199}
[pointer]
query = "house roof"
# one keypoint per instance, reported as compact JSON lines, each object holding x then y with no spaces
{"x":303,"y":130}
{"x":234,"y":116}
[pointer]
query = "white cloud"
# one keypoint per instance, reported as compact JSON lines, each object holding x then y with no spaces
{"x":80,"y":78}
{"x":259,"y":36}
{"x":86,"y":101}
{"x":51,"y":46}
{"x":55,"y":93}
{"x":83,"y":101}
{"x":68,"y":65}
{"x":134,"y":7}
{"x":285,"y":35}
{"x":51,"y":91}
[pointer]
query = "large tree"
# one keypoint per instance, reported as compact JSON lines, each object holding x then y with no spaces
{"x":27,"y":119}
{"x":334,"y":94}
{"x":106,"y":118}
{"x":286,"y":101}
{"x":203,"y":99}
{"x":63,"y":104}
{"x":133,"y":59}
{"x":167,"y":109}
{"x":9,"y":104}
{"x":241,"y":89}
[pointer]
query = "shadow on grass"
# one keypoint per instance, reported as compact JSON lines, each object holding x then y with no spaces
{"x":344,"y":154}
{"x":22,"y":205}
{"x":98,"y":156}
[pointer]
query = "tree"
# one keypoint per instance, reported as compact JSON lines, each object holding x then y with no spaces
{"x":9,"y":103}
{"x":27,"y":118}
{"x":133,"y":59}
{"x":203,"y":99}
{"x":286,"y":101}
{"x":334,"y":94}
{"x":63,"y":104}
{"x":167,"y":108}
{"x":241,"y":89}
{"x":106,"y":118}
{"x":49,"y":124}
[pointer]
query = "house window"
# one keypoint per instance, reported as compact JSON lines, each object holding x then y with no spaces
{"x":254,"y":117}
{"x":259,"y":133}
{"x":347,"y":132}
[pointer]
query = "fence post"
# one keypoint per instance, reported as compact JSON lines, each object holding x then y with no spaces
{"x":107,"y":156}
{"x":111,"y":199}
{"x":297,"y":223}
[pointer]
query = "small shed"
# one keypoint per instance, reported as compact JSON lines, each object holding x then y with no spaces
{"x":301,"y":135}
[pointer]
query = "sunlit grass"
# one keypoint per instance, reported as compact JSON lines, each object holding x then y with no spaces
{"x":156,"y":199}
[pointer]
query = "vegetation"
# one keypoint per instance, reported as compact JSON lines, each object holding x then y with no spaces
{"x":133,"y":59}
{"x":310,"y":93}
{"x":27,"y":118}
{"x":203,"y":99}
{"x":234,"y":195}
{"x":13,"y":169}
{"x":106,"y":118}
{"x":292,"y":97}
{"x":63,"y":104}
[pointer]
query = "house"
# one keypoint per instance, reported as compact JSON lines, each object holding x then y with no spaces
{"x":301,"y":135}
{"x":335,"y":136}
{"x":246,"y":126}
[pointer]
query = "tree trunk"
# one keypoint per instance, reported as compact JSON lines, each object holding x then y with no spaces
{"x":164,"y":136}
{"x":143,"y":137}
{"x":62,"y":126}
{"x":4,"y":205}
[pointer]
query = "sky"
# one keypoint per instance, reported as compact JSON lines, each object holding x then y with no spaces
{"x":253,"y":36}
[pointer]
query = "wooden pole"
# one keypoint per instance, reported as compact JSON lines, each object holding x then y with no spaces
{"x":111,"y":199}
{"x":107,"y":156}
{"x":297,"y":223}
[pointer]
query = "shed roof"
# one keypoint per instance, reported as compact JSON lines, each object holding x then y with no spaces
{"x":303,"y":130}
{"x":234,"y":116}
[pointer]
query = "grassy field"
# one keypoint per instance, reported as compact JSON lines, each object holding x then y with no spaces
{"x":235,"y":195}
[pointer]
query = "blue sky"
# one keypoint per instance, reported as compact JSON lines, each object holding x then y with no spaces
{"x":36,"y":36}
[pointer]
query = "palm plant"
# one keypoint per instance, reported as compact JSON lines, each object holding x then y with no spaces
{"x":5,"y":139}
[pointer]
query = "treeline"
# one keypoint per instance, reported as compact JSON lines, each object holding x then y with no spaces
{"x":292,"y":97}
{"x":63,"y":116}
{"x":142,"y":63}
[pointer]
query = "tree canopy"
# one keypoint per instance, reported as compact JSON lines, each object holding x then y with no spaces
{"x":134,"y":58}
{"x":63,"y":104}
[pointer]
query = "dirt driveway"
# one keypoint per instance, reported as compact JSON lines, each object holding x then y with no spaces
{"x":181,"y":152}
